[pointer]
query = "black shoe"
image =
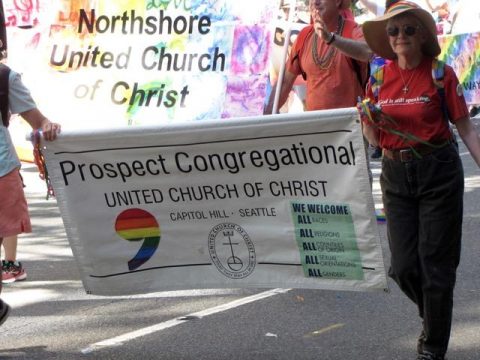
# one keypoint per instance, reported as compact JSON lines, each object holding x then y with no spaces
{"x":4,"y":311}
{"x":427,"y":355}
{"x":376,"y":154}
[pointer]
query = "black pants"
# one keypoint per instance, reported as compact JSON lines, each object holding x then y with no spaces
{"x":423,"y":202}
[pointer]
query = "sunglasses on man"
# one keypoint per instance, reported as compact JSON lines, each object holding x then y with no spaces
{"x":408,"y":30}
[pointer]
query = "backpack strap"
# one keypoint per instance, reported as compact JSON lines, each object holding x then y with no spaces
{"x":438,"y":73}
{"x":3,"y":31}
{"x":299,"y":46}
{"x":4,"y":75}
{"x":438,"y":76}
{"x":376,"y":81}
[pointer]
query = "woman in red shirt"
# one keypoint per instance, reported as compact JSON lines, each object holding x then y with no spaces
{"x":422,"y":177}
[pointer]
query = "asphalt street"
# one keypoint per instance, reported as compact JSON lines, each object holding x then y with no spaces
{"x":53,"y":318}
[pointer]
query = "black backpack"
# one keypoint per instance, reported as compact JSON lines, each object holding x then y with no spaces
{"x":4,"y":74}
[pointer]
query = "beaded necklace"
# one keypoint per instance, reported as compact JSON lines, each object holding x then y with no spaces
{"x":326,"y":61}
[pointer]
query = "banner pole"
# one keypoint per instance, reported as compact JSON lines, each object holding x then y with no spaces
{"x":284,"y":57}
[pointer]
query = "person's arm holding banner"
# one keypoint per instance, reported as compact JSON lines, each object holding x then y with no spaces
{"x":38,"y":121}
{"x":22,"y":103}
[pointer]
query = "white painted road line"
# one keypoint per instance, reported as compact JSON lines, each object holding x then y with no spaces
{"x":118,"y":340}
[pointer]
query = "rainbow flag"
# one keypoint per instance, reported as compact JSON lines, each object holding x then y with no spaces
{"x":462,"y":53}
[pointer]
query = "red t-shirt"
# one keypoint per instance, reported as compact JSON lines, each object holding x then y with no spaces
{"x":334,"y":84}
{"x":419,"y":111}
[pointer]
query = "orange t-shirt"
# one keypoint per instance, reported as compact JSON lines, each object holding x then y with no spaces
{"x":334,"y":84}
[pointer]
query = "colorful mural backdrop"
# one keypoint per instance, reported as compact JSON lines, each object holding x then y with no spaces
{"x":110,"y":63}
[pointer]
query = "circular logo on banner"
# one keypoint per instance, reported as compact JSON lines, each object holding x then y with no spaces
{"x":231,"y":250}
{"x":459,"y":90}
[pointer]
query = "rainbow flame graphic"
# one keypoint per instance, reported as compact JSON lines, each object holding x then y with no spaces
{"x":137,"y":225}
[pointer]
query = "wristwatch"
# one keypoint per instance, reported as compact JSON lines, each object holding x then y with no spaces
{"x":331,"y":39}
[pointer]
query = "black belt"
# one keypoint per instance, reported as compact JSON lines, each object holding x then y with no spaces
{"x":415,"y":153}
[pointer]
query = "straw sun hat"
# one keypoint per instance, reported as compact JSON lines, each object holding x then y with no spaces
{"x":376,"y":36}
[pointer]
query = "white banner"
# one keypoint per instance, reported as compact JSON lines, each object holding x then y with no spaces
{"x":119,"y":63}
{"x":277,"y":201}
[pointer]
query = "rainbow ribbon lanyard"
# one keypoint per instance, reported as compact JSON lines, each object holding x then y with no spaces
{"x":39,"y":160}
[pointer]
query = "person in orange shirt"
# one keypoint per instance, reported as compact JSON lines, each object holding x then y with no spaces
{"x":333,"y":58}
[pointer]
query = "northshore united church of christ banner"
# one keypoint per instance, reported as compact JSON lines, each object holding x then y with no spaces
{"x":276,"y":201}
{"x":130,"y":62}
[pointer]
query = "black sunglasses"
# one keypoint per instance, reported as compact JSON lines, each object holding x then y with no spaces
{"x":408,"y":30}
